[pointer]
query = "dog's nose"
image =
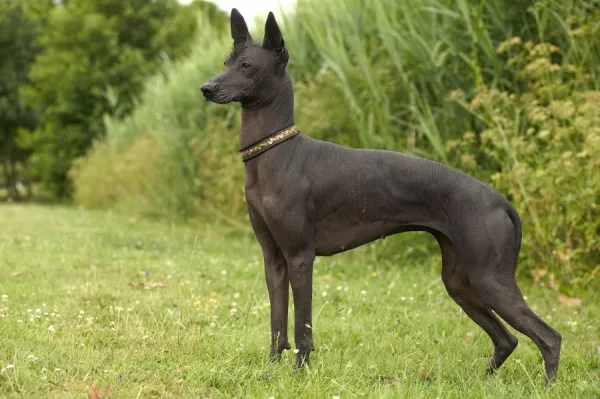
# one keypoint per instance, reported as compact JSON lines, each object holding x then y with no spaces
{"x":208,"y":89}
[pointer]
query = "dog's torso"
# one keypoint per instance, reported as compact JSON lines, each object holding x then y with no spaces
{"x":343,"y":197}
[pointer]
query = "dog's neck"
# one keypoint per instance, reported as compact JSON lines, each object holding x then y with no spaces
{"x":261,"y":121}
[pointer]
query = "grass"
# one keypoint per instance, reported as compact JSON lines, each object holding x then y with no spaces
{"x":70,"y":318}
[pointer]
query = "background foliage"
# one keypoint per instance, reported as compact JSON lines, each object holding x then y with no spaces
{"x":71,"y":63}
{"x":19,"y":29}
{"x":504,"y":91}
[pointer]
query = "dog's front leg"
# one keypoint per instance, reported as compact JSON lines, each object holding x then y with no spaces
{"x":276,"y":274}
{"x":300,"y":268}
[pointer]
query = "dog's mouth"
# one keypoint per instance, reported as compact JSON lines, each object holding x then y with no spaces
{"x":221,"y":97}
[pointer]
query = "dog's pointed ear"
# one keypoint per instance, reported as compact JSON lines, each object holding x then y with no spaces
{"x":239,"y":29}
{"x":273,"y":39}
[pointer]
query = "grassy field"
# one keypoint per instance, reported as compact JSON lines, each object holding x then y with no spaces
{"x":156,"y":310}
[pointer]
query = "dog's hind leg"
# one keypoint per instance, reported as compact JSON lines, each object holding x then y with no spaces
{"x":505,"y":298}
{"x":493,"y":278}
{"x":276,"y":274}
{"x":456,"y":280}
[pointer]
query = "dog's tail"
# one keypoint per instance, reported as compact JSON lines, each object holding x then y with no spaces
{"x":516,"y":220}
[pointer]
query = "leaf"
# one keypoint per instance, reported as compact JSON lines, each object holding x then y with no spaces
{"x":93,"y":393}
{"x":154,"y":285}
{"x":469,"y":337}
{"x":384,"y":379}
{"x":424,"y":375}
{"x":326,"y":277}
{"x":147,"y":285}
{"x":551,"y":281}
{"x":569,"y":301}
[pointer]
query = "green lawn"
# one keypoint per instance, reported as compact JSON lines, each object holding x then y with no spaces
{"x":159,"y":310}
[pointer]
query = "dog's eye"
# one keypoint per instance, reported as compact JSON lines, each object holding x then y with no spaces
{"x":245,"y":65}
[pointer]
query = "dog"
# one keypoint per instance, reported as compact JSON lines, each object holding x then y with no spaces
{"x":309,"y":198}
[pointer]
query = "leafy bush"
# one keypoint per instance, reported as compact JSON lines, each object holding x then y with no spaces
{"x":544,"y":144}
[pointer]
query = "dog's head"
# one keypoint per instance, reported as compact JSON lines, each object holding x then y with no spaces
{"x":253,"y":72}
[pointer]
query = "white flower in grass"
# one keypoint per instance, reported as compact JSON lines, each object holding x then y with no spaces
{"x":9,"y":366}
{"x":51,"y":328}
{"x":4,"y":297}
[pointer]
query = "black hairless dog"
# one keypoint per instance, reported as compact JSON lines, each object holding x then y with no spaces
{"x":310,"y":198}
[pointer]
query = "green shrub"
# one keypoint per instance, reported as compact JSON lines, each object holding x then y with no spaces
{"x":545,"y":145}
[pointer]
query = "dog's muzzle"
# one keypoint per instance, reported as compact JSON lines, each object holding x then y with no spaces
{"x":209,"y":90}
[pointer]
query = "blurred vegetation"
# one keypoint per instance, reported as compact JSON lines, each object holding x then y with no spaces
{"x":505,"y":91}
{"x":68,"y":64}
{"x":19,"y":29}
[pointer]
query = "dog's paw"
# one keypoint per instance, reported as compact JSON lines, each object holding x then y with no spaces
{"x":302,"y":360}
{"x":283,"y":346}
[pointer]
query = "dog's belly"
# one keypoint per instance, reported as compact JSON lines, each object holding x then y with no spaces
{"x":365,"y":209}
{"x":330,"y":241}
{"x":346,"y":231}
